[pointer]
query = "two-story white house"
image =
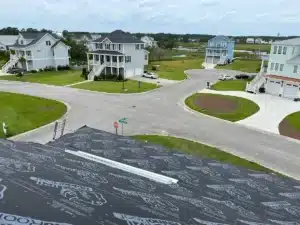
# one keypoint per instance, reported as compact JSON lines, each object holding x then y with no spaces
{"x":220,"y":50}
{"x":149,"y":42}
{"x":283,"y":73}
{"x":34,"y":51}
{"x":118,"y":53}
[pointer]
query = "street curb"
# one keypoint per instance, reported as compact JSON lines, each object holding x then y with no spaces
{"x":188,"y":109}
{"x":219,"y":148}
{"x":65,"y":115}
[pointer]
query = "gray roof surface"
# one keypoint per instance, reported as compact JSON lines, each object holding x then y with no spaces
{"x":35,"y":37}
{"x":107,"y":52}
{"x":43,"y":182}
{"x":8,"y":39}
{"x":119,"y":36}
{"x":293,"y":41}
{"x":221,"y":38}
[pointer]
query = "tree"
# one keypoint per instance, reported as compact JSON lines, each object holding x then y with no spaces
{"x":78,"y":50}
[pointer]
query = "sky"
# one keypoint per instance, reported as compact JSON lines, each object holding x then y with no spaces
{"x":227,"y":17}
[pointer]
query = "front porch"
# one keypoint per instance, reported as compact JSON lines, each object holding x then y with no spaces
{"x":26,"y":54}
{"x":112,"y":60}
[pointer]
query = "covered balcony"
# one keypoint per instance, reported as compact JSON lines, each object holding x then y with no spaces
{"x":21,"y":53}
{"x":109,"y":58}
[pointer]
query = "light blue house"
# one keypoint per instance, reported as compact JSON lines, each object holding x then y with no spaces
{"x":219,"y":50}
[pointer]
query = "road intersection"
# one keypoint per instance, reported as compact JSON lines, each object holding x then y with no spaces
{"x":161,"y":112}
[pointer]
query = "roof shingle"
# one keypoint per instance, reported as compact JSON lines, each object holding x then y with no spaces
{"x":119,"y":36}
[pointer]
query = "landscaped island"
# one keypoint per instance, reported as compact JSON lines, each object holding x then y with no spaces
{"x":225,"y":107}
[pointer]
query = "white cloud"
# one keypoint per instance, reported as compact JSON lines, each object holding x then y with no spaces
{"x":189,"y":16}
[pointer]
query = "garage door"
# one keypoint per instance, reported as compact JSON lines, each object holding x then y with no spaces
{"x":273,"y":87}
{"x":129,"y":73}
{"x":291,"y":91}
{"x":138,"y":71}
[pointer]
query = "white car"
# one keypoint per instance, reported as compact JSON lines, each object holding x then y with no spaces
{"x":226,"y":77}
{"x":150,"y":75}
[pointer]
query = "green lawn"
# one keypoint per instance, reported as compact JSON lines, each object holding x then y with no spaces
{"x":23,"y":113}
{"x":51,"y":77}
{"x":132,"y":86}
{"x":198,"y":149}
{"x":249,"y":66}
{"x":174,"y":70}
{"x":294,"y":120}
{"x":245,"y":107}
{"x":230,"y":85}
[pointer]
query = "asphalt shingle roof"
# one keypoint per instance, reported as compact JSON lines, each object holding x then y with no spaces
{"x":45,"y":183}
{"x":106,"y":52}
{"x":35,"y":37}
{"x":119,"y":36}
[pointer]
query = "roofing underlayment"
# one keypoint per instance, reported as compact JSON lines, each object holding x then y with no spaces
{"x":89,"y":177}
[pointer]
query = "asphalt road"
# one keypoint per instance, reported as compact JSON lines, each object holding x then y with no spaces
{"x":161,"y":111}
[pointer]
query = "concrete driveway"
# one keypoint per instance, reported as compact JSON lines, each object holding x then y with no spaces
{"x":160,"y":81}
{"x":272,"y":111}
{"x":161,"y":112}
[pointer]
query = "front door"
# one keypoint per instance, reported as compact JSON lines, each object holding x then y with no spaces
{"x":101,"y":59}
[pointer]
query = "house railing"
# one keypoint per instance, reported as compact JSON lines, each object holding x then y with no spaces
{"x":12,"y":61}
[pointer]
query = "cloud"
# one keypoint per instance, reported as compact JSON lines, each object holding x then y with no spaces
{"x":190,"y":16}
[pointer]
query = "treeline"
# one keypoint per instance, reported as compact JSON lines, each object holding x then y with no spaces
{"x":16,"y":31}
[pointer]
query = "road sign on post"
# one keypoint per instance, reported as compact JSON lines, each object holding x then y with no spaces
{"x":123,"y":121}
{"x":116,"y":125}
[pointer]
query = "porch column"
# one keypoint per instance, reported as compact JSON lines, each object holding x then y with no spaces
{"x":99,"y":59}
{"x":88,"y":61}
{"x":118,"y":67}
{"x":118,"y":62}
{"x":26,"y":65}
{"x":111,"y":69}
{"x":262,"y":64}
{"x":104,"y":57}
{"x":93,"y":59}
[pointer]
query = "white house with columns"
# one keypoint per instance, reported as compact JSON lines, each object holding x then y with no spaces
{"x":118,"y":53}
{"x":34,"y":51}
{"x":282,"y":77}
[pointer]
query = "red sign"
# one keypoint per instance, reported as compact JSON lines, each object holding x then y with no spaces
{"x":116,"y":125}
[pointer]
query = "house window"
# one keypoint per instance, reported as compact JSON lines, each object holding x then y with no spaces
{"x":127,"y":59}
{"x":114,"y":46}
{"x":295,"y":69}
{"x":272,"y":66}
{"x":284,"y":50}
{"x":276,"y":66}
{"x":279,"y":49}
{"x":48,"y":43}
{"x":275,"y":50}
{"x":142,"y":46}
{"x":137,"y":47}
{"x":146,"y":57}
{"x":120,"y":46}
{"x":101,"y":46}
{"x":107,"y":46}
{"x":281,"y":67}
{"x":22,"y":42}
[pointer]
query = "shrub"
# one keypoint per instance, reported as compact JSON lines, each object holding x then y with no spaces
{"x":120,"y":77}
{"x":153,"y":67}
{"x":59,"y":68}
{"x":67,"y":67}
{"x":19,"y":74}
{"x":33,"y":71}
{"x":84,"y":71}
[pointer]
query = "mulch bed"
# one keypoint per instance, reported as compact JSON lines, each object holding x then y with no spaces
{"x":216,"y":103}
{"x":286,"y":129}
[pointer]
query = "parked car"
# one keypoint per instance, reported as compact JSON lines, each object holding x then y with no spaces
{"x":16,"y":70}
{"x":150,"y":75}
{"x":297,"y":99}
{"x":242,"y":76}
{"x":225,"y":77}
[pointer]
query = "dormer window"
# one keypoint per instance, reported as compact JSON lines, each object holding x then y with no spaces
{"x":48,"y":43}
{"x":21,"y":42}
{"x":107,"y":46}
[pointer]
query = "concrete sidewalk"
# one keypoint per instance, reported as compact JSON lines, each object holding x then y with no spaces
{"x":272,"y":111}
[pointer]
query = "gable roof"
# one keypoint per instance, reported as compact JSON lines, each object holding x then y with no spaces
{"x":59,"y":41}
{"x":119,"y":36}
{"x":35,"y":37}
{"x":221,"y":38}
{"x":293,"y":41}
{"x":8,"y":39}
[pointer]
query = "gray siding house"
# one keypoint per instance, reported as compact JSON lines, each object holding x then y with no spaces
{"x":34,"y":51}
{"x":118,"y":53}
